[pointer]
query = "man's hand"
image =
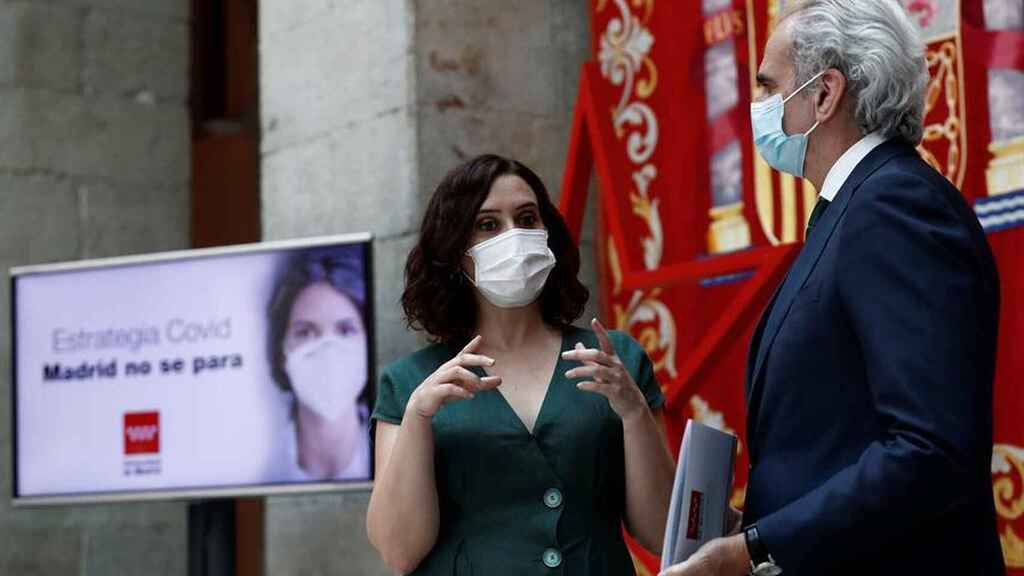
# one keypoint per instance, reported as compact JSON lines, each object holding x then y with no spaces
{"x":720,"y":557}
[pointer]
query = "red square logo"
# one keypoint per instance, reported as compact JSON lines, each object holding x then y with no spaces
{"x":695,"y":520}
{"x":142,"y":433}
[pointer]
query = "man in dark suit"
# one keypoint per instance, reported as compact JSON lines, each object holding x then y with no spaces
{"x":869,"y":383}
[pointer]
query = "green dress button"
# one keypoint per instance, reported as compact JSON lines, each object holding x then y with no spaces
{"x":553,"y":498}
{"x":552,"y":558}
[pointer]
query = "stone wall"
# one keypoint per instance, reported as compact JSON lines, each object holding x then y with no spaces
{"x":94,"y":161}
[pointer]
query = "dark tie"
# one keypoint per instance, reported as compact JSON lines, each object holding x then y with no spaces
{"x":816,"y":214}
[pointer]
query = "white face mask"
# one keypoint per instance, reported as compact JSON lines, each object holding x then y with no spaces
{"x":512,"y":267}
{"x":328,"y":374}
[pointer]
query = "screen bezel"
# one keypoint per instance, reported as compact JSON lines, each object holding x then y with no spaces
{"x":191,"y":493}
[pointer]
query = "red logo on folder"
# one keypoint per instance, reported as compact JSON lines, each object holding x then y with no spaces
{"x":142,"y":433}
{"x":694,"y":523}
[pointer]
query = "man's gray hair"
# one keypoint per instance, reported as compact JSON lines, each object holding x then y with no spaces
{"x":879,"y":50}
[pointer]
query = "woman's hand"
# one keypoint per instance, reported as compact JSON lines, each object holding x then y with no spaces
{"x":452,"y":381}
{"x":607,"y":376}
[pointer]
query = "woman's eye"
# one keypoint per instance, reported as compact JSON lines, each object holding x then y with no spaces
{"x":528,"y":220}
{"x":487,"y":226}
{"x":304,"y":333}
{"x":346,"y":327}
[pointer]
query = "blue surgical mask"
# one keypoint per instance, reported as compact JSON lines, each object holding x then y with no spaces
{"x":783,"y":152}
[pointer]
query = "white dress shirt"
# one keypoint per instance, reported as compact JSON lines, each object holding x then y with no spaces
{"x":846,"y":164}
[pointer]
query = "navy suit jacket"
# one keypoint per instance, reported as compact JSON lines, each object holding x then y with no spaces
{"x":869,"y":385}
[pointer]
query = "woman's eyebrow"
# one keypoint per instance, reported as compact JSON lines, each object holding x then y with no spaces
{"x":519,"y":208}
{"x":301,"y":323}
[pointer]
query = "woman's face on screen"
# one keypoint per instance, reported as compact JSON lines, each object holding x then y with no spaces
{"x":325,"y":349}
{"x":320,"y":310}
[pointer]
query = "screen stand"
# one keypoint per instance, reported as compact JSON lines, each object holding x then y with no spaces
{"x":211,"y":538}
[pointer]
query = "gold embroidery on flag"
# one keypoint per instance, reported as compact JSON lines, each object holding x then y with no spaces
{"x":1008,"y":491}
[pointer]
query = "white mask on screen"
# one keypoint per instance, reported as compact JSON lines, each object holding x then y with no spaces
{"x":327,"y":374}
{"x":512,"y":267}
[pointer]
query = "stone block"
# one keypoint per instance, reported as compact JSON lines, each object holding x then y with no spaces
{"x":133,"y":218}
{"x":47,"y":551}
{"x":172,"y":517}
{"x":157,"y":9}
{"x":327,"y":74}
{"x":155,"y":549}
{"x":39,"y":219}
{"x":277,"y":16}
{"x":360,"y":178}
{"x":133,"y":57}
{"x":448,"y":138}
{"x":320,"y":536}
{"x":463,"y":54}
{"x":104,"y":137}
{"x":474,"y":95}
{"x":394,"y":339}
{"x":39,"y":45}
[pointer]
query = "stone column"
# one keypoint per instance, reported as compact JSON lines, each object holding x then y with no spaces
{"x":338,"y":155}
{"x":94,"y":161}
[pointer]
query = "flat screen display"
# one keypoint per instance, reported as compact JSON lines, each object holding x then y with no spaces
{"x":236,"y":371}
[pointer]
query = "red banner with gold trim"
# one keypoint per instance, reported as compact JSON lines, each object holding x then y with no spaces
{"x":695,"y":231}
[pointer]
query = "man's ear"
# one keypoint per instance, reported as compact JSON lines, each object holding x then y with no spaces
{"x":830,"y":96}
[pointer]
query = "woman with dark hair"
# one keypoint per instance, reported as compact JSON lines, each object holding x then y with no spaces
{"x":516,"y":443}
{"x":319,"y":353}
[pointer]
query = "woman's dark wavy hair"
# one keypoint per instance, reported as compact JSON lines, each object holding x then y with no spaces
{"x":438,"y":298}
{"x":342,"y":268}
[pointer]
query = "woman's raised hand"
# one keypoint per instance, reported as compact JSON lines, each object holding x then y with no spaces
{"x":606,"y":375}
{"x":453,"y":381}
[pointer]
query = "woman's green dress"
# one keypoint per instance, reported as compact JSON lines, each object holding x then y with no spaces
{"x":512,"y":502}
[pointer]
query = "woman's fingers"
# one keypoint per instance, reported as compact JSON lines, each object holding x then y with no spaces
{"x":467,"y":379}
{"x":462,"y":377}
{"x":472,"y":345}
{"x":490,"y":382}
{"x":468,"y":356}
{"x":606,"y":390}
{"x":466,"y":359}
{"x":453,"y":381}
{"x":594,"y":372}
{"x":588,"y":355}
{"x":450,"y":392}
{"x":455,"y":384}
{"x":603,"y":337}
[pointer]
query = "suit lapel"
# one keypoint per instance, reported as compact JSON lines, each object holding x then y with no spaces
{"x":755,"y":340}
{"x":810,"y":254}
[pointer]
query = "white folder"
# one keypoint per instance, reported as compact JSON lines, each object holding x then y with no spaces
{"x":700,"y":494}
